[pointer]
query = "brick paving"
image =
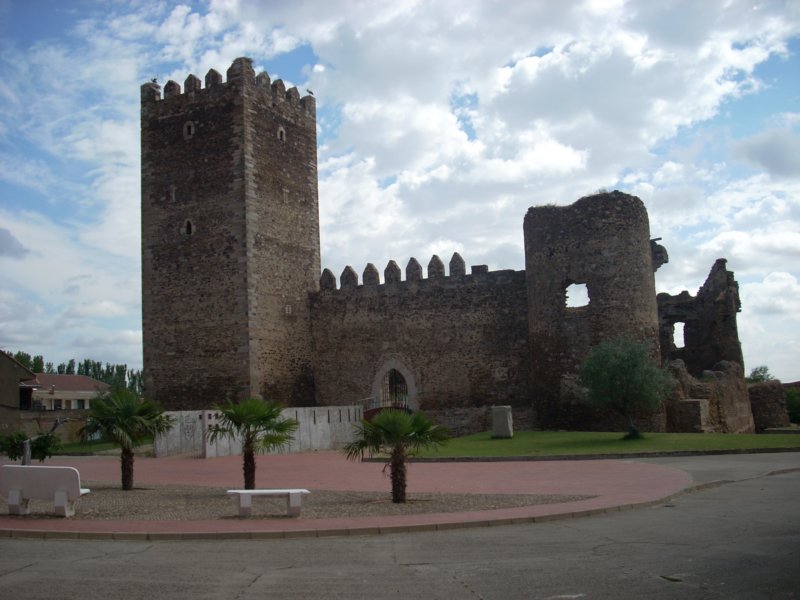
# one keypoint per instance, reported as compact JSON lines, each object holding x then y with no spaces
{"x":615,"y":485}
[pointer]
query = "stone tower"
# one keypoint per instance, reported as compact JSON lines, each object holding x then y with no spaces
{"x":602,"y":242}
{"x":230,"y":239}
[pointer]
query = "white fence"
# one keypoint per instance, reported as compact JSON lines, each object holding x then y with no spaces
{"x":320,"y":428}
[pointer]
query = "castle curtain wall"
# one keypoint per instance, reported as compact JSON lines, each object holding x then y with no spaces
{"x":463,"y":339}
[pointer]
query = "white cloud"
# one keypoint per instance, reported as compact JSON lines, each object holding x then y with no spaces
{"x":777,"y":151}
{"x":102,"y":308}
{"x":440,"y":124}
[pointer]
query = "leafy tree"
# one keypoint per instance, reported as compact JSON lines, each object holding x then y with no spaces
{"x":127,"y":420}
{"x":259,"y":425}
{"x":620,"y":375}
{"x":11,"y":444}
{"x":23,"y":358}
{"x":793,"y":404}
{"x":43,"y":445}
{"x":759,"y":374}
{"x":400,"y":435}
{"x":48,"y":368}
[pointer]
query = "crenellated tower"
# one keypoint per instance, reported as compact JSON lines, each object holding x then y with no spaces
{"x":230,"y":239}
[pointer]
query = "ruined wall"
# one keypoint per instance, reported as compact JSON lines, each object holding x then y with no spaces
{"x":715,"y":402}
{"x":602,"y":241}
{"x":768,"y":403}
{"x":460,"y":341}
{"x":229,"y":204}
{"x":710,"y":330}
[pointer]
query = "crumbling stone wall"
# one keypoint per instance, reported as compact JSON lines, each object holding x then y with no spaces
{"x":768,"y":403}
{"x":716,"y":402}
{"x":602,"y":241}
{"x":230,"y":239}
{"x":460,"y":341}
{"x":710,"y":330}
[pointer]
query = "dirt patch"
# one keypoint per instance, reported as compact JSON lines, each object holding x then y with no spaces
{"x":191,"y":503}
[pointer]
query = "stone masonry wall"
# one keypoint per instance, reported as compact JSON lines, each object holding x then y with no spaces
{"x":460,"y":341}
{"x":768,"y":403}
{"x":230,"y":239}
{"x":602,"y":241}
{"x":282,"y":237}
{"x":710,"y":330}
{"x":193,"y":231}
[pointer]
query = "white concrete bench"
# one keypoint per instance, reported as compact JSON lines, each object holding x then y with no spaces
{"x":21,"y":484}
{"x":244,"y":500}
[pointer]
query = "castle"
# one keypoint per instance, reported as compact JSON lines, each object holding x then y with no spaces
{"x":234,"y":304}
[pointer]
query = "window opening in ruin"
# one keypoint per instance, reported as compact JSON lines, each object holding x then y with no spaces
{"x":395,"y":389}
{"x":188,"y":228}
{"x":677,"y":335}
{"x":188,"y":130}
{"x":577,"y":295}
{"x":281,"y":134}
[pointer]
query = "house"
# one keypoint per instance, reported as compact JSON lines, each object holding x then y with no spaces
{"x":64,"y":392}
{"x":40,"y":402}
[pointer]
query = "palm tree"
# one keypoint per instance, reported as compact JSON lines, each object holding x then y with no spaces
{"x":400,"y":435}
{"x":127,"y":419}
{"x":259,"y":425}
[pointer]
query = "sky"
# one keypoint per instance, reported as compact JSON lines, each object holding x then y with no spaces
{"x":439,"y":124}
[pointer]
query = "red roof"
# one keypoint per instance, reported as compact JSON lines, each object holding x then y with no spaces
{"x":71,"y":383}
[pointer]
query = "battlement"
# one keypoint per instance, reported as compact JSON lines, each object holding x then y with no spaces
{"x":240,"y":78}
{"x":392,"y":277}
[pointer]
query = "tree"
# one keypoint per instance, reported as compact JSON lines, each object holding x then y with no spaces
{"x":23,"y":358}
{"x":620,"y":375}
{"x":37,"y":365}
{"x":42,"y":445}
{"x":400,"y":435}
{"x":259,"y":425}
{"x":127,"y":420}
{"x":759,"y":374}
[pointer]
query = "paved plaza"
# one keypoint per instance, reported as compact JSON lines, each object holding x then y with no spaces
{"x":612,"y":484}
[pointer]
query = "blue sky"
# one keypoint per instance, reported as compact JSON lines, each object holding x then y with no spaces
{"x":440,"y":123}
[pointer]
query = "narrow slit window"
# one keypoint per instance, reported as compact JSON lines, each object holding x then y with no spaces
{"x":188,"y":227}
{"x":281,"y":134}
{"x":188,"y":130}
{"x":678,"y":335}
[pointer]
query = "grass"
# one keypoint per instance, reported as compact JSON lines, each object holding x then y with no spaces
{"x":554,"y":443}
{"x":90,"y":447}
{"x":86,"y":447}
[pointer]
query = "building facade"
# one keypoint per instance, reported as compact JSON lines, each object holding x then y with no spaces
{"x":234,"y":304}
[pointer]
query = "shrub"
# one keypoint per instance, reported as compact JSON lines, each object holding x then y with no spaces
{"x":793,"y":404}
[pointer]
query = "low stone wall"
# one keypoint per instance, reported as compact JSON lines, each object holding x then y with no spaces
{"x":768,"y":403}
{"x":320,"y":428}
{"x":716,"y":403}
{"x":34,"y":422}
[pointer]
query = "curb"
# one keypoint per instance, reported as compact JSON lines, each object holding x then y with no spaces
{"x":375,"y":530}
{"x":618,"y":456}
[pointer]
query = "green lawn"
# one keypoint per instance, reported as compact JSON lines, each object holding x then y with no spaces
{"x":86,"y":447}
{"x":553,"y":443}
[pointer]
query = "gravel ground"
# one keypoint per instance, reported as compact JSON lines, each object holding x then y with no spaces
{"x":190,"y":503}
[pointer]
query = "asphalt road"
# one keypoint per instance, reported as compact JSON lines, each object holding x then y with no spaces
{"x":737,"y":540}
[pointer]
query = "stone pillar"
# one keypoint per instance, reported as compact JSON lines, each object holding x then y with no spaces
{"x":502,"y":422}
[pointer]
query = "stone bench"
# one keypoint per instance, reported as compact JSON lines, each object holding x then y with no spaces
{"x":244,"y":500}
{"x":21,"y":484}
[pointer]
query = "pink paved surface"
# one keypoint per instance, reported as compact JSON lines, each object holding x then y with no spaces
{"x":614,"y":483}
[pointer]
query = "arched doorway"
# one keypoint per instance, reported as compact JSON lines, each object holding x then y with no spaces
{"x":394,"y":390}
{"x":393,"y":386}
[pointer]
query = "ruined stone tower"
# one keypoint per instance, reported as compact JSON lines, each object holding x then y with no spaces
{"x":230,"y":239}
{"x":602,"y":242}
